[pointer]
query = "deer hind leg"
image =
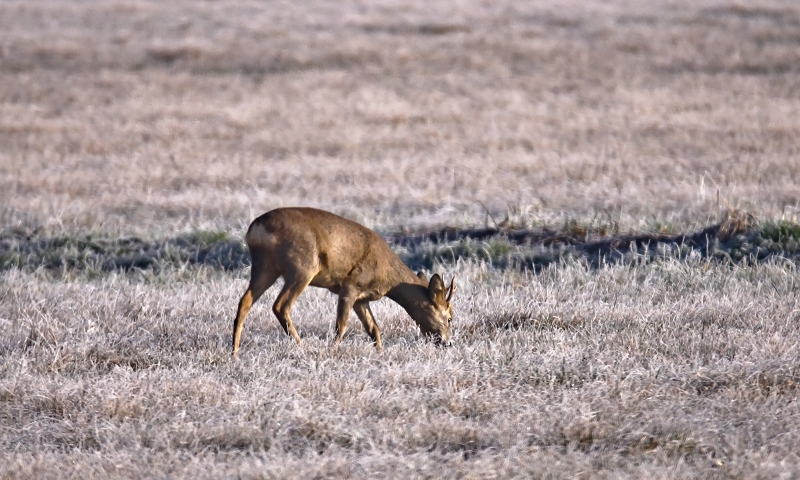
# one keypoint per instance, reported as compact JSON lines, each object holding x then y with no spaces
{"x":283,"y":304}
{"x":260,"y":281}
{"x":364,"y":314}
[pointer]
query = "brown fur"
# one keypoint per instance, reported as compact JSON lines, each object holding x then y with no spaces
{"x":306,"y":247}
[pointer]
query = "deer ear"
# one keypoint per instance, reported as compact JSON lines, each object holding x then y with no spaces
{"x":436,"y":289}
{"x":422,"y":276}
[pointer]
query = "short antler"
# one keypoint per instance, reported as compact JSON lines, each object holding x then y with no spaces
{"x":451,"y":289}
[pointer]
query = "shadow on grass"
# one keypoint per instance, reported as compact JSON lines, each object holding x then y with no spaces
{"x":737,"y":239}
{"x":29,"y":250}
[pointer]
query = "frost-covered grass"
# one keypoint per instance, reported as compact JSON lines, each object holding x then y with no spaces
{"x":668,"y":369}
{"x":134,"y":117}
{"x":147,"y":135}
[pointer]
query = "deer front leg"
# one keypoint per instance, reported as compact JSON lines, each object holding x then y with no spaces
{"x":347,"y":298}
{"x":368,"y":320}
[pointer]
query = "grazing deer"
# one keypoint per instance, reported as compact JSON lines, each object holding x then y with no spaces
{"x":306,"y":247}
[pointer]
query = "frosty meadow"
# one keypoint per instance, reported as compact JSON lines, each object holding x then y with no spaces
{"x":613,"y":183}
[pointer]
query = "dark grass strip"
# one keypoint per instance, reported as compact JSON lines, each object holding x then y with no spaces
{"x":738,"y":239}
{"x":29,"y":251}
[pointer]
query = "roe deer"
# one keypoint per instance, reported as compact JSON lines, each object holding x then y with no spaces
{"x":306,"y":247}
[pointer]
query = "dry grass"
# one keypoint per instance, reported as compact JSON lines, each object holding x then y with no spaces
{"x":161,"y":118}
{"x":140,"y":116}
{"x":670,"y":370}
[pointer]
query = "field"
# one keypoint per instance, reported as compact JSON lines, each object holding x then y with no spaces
{"x":645,"y":153}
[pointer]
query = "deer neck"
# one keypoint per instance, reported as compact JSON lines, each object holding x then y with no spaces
{"x":408,"y":290}
{"x":411,"y":296}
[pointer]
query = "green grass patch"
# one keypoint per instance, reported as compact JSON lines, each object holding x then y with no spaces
{"x":782,"y":231}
